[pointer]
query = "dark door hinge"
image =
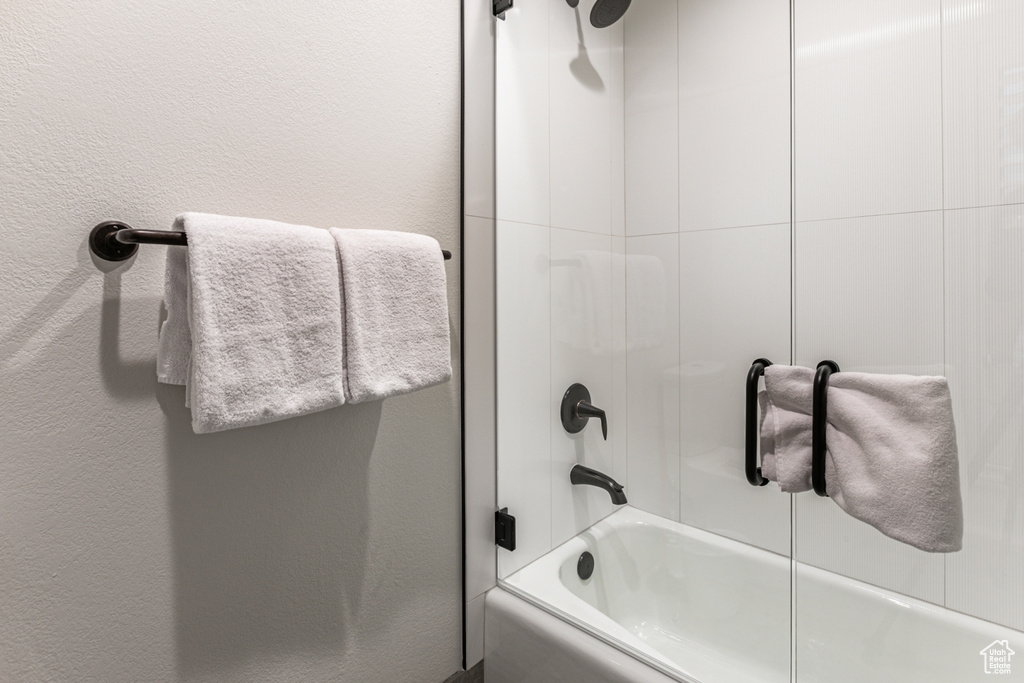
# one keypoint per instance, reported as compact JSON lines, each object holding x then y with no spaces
{"x":499,"y":7}
{"x":504,"y":529}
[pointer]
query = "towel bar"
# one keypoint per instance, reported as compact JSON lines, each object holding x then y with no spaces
{"x":819,"y":419}
{"x":753,"y":471}
{"x":116,"y":241}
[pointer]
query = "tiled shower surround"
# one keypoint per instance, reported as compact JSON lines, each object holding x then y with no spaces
{"x":711,"y":181}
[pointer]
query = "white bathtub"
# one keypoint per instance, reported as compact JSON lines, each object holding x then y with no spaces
{"x":683,"y":604}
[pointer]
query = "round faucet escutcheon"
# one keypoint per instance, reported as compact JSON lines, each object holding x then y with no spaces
{"x":576,"y":410}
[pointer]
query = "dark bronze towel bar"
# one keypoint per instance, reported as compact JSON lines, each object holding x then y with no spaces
{"x":116,"y":241}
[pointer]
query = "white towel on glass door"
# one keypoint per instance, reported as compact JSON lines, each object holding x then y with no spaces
{"x":891,"y":458}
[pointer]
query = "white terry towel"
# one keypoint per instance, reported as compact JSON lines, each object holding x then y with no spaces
{"x":174,"y":353}
{"x":891,"y":457}
{"x":262,"y":312}
{"x":395,"y":308}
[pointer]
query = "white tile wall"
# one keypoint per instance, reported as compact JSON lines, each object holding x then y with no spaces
{"x":985,"y":366}
{"x":734,"y":104}
{"x":583,"y":95}
{"x":522,"y":151}
{"x":652,"y":369}
{"x":562,"y":82}
{"x":983,"y":101}
{"x":584,"y":340}
{"x":734,"y":307}
{"x":652,"y":118}
{"x":868,"y":295}
{"x":868,"y":113}
{"x":619,"y":438}
{"x":524,"y":389}
{"x":902,"y":109}
{"x":617,"y":104}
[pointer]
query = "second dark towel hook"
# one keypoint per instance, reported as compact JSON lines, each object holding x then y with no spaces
{"x":819,"y":420}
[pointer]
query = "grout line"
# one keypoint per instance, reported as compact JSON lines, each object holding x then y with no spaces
{"x":867,"y":215}
{"x":793,"y":220}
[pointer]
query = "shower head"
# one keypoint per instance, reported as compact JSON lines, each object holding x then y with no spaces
{"x":605,"y":12}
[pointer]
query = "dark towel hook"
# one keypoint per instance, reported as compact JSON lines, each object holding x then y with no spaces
{"x":753,"y":471}
{"x":116,"y":241}
{"x":819,"y":419}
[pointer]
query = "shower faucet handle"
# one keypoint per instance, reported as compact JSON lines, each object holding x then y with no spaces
{"x":577,"y":409}
{"x":584,"y":409}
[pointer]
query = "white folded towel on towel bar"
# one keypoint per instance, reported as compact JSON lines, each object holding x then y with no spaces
{"x":253,"y":321}
{"x":891,"y":457}
{"x":395,"y":300}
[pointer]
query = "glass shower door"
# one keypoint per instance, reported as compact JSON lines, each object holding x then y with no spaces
{"x":907,"y":260}
{"x":643,"y":249}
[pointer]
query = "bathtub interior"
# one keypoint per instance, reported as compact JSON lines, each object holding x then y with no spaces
{"x":700,"y":607}
{"x":671,"y":595}
{"x":689,"y":591}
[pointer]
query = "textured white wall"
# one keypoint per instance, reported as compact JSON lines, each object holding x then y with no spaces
{"x":319,"y":548}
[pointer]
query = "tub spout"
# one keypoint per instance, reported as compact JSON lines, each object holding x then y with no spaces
{"x":584,"y":475}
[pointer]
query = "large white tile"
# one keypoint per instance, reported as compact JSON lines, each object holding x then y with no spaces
{"x":522,"y":114}
{"x":524,"y":387}
{"x":652,"y":118}
{"x":652,"y":360}
{"x":478,"y":359}
{"x":581,"y":132}
{"x":868,"y":113}
{"x":620,"y":402}
{"x":828,"y":538}
{"x":985,"y":366}
{"x":582,"y":350}
{"x":617,"y":117}
{"x":734,"y":113}
{"x":734,"y":306}
{"x":983,"y":101}
{"x":868,"y":294}
{"x":478,"y":108}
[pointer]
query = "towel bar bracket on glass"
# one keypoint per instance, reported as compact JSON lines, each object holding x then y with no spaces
{"x":819,"y":420}
{"x":116,"y":241}
{"x":753,"y":471}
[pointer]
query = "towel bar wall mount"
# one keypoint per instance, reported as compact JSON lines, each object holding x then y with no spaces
{"x":116,"y":241}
